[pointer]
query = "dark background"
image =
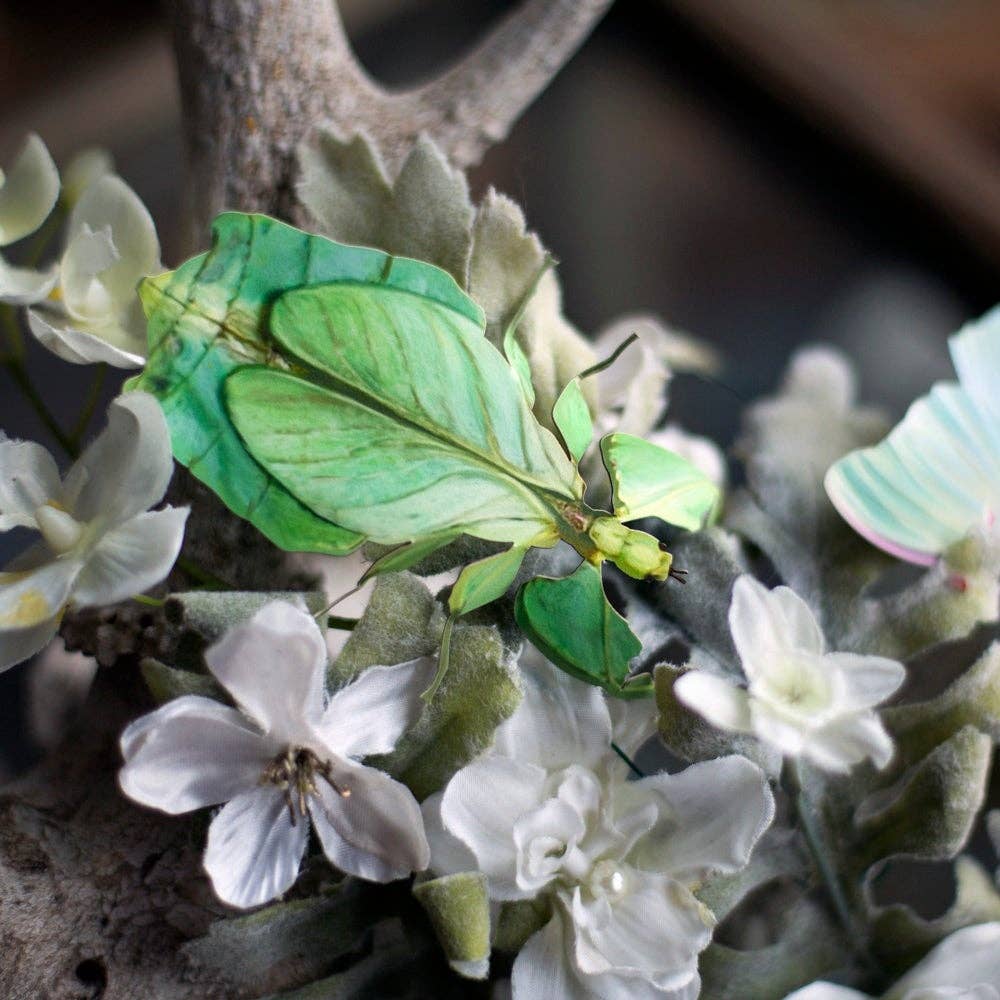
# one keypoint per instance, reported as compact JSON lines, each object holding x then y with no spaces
{"x":827,"y":174}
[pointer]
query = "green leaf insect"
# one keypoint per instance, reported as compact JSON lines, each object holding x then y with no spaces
{"x":331,"y":394}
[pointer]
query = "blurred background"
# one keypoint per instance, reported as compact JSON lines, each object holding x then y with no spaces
{"x":760,"y":174}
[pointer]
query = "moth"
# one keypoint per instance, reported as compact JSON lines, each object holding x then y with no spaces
{"x":936,"y":477}
{"x":333,"y":394}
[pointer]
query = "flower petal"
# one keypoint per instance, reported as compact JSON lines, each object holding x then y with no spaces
{"x":23,"y":286}
{"x":254,"y":850}
{"x":560,"y":720}
{"x":968,"y":958}
{"x":711,"y":816}
{"x":369,"y":715}
{"x":132,"y":557}
{"x":724,"y":704}
{"x":481,"y":804}
{"x":543,"y":967}
{"x":126,"y":469}
{"x":763,"y":620}
{"x":31,"y":605}
{"x":848,"y":741}
{"x":788,"y":738}
{"x":82,"y":170}
{"x":29,"y":191}
{"x":273,"y":666}
{"x":827,"y":991}
{"x":448,"y":854}
{"x":867,"y":680}
{"x":655,"y":932}
{"x":109,"y":203}
{"x":83,"y":347}
{"x":190,"y":753}
{"x":29,"y":478}
{"x":376,"y":832}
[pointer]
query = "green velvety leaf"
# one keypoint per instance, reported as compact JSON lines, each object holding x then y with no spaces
{"x":285,"y":944}
{"x":900,"y":938}
{"x":810,"y":948}
{"x":479,"y":691}
{"x":518,"y":920}
{"x":459,"y":909}
{"x":212,"y":612}
{"x":649,"y":481}
{"x":930,"y":812}
{"x":395,"y":628}
{"x":572,"y":623}
{"x":484,"y":581}
{"x":973,"y":699}
{"x":412,"y":435}
{"x":166,"y":683}
{"x":571,"y":415}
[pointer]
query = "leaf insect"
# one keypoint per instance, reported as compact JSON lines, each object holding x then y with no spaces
{"x":334,"y":394}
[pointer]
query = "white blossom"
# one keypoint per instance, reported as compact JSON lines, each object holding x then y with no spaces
{"x":964,"y":966}
{"x":94,"y":313}
{"x":28,"y":193}
{"x":547,"y":814}
{"x":281,"y":758}
{"x":799,"y":698}
{"x":100,"y":543}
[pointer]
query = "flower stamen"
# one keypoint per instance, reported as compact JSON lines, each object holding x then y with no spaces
{"x":294,"y":773}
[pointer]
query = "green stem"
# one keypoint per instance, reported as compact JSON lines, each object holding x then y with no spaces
{"x":43,"y":236}
{"x":89,"y":404}
{"x":809,"y":820}
{"x":343,"y":624}
{"x":15,"y":368}
{"x":207,"y":579}
{"x":151,"y":602}
{"x":13,"y":330}
{"x":628,"y":760}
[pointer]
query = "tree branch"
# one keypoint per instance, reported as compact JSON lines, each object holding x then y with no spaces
{"x":257,"y":75}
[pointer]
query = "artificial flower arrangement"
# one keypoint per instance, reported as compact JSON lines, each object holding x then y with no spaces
{"x":610,"y":728}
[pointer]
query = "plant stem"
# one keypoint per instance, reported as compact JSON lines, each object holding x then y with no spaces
{"x":89,"y":404}
{"x":628,"y":760}
{"x":15,"y":368}
{"x":343,"y":624}
{"x":204,"y":577}
{"x":13,"y":330}
{"x":810,"y":822}
{"x":150,"y":602}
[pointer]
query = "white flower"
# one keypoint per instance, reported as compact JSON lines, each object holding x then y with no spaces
{"x":95,"y":313}
{"x":547,"y":814}
{"x":28,"y":194}
{"x":100,"y":544}
{"x":964,"y":966}
{"x":283,"y":758}
{"x":86,"y":167}
{"x":800,"y":699}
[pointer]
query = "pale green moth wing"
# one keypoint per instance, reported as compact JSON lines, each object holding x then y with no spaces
{"x":934,"y":479}
{"x":649,"y":481}
{"x":571,"y":622}
{"x":209,"y":317}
